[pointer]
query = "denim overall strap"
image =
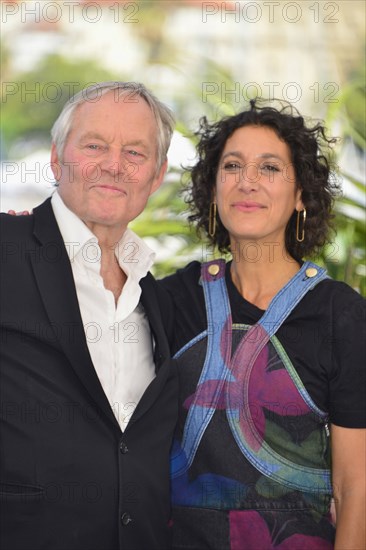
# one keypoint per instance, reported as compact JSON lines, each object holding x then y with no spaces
{"x":290,"y":295}
{"x":249,"y":440}
{"x":214,"y":372}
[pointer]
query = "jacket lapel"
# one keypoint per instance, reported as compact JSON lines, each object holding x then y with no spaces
{"x":149,"y":300}
{"x":163,"y":364}
{"x":53,"y":273}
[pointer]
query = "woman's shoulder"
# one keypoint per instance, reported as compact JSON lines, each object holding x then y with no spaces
{"x":186,"y":293}
{"x":185,"y":277}
{"x":338,"y":291}
{"x":338,"y":299}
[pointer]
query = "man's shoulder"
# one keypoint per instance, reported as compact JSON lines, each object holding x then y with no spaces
{"x":14,"y":226}
{"x":19,"y":224}
{"x":39,"y":226}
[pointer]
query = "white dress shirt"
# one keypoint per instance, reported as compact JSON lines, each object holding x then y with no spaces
{"x":118,"y":336}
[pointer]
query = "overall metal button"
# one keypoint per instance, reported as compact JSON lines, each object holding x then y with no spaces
{"x":213,"y":269}
{"x":311,"y":272}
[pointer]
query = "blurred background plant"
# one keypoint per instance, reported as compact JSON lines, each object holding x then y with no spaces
{"x":201,"y":58}
{"x":29,"y":111}
{"x":344,"y":258}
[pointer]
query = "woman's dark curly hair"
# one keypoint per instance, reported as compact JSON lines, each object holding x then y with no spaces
{"x":312,"y":168}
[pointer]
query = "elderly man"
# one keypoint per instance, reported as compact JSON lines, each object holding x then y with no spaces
{"x":88,"y":392}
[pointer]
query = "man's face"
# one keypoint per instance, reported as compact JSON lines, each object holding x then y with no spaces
{"x":108,"y":170}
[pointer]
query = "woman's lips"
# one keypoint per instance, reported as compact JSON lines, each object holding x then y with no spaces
{"x":248,"y":206}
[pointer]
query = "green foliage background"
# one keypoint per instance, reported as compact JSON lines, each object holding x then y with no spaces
{"x":35,"y":98}
{"x":344,"y":258}
{"x":25,"y":119}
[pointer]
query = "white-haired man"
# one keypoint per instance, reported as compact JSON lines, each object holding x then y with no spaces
{"x":88,"y":392}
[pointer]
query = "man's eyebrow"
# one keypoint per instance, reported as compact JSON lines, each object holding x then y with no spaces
{"x":96,"y":135}
{"x":140,"y":142}
{"x":92,"y":135}
{"x":147,"y":147}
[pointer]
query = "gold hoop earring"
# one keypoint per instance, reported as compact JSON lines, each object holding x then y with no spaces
{"x":212,"y":219}
{"x":300,"y":235}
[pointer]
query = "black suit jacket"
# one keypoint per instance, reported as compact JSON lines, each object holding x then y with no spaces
{"x":70,"y":479}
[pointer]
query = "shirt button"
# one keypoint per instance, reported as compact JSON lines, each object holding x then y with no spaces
{"x":126,"y":518}
{"x":123,"y":448}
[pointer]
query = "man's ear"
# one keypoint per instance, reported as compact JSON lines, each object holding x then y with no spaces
{"x":158,"y":180}
{"x":55,"y":163}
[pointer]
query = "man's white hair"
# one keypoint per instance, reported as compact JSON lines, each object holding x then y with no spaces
{"x":163,"y":115}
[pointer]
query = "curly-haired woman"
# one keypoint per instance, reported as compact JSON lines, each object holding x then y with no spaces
{"x":270,"y":350}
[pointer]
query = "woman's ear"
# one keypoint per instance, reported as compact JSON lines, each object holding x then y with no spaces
{"x":299,"y":205}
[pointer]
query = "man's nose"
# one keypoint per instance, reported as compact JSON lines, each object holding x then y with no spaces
{"x":115,"y":164}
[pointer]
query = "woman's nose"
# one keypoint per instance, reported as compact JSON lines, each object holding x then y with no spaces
{"x":249,"y":176}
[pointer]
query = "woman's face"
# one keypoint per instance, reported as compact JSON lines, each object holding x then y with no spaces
{"x":256,"y":189}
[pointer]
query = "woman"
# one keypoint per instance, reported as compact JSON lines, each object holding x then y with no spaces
{"x":269,"y":350}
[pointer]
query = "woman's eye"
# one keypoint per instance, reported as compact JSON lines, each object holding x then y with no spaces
{"x":270,"y":168}
{"x":231,"y":166}
{"x":134,"y":153}
{"x":93,"y":146}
